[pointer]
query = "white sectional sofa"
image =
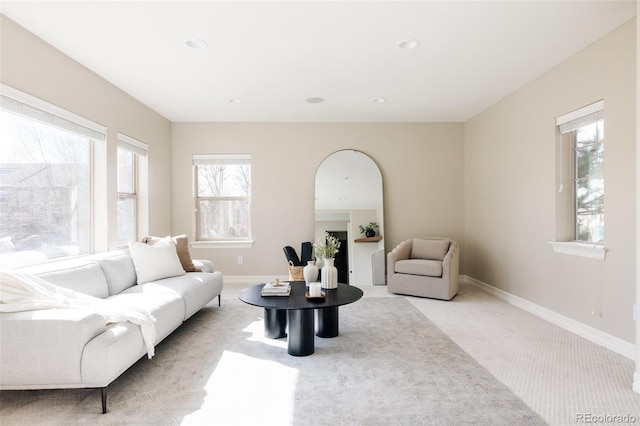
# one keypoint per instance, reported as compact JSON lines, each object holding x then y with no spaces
{"x":74,"y":348}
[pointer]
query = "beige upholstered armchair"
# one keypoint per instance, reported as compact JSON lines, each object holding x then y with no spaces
{"x":425,"y":267}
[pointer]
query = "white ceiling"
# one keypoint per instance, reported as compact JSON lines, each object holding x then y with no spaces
{"x":274,"y":55}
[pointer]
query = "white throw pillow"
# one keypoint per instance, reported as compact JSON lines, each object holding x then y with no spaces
{"x":155,"y":262}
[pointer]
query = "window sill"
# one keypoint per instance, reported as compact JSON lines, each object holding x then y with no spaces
{"x":574,"y":248}
{"x":222,"y":244}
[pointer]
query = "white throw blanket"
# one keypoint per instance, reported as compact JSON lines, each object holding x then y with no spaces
{"x":25,"y":292}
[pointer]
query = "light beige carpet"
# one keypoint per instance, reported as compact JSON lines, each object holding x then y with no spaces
{"x":563,"y":377}
{"x":389,"y":366}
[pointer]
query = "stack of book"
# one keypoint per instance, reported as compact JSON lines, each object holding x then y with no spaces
{"x":277,"y":288}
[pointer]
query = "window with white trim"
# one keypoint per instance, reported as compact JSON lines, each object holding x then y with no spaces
{"x":131,"y":153}
{"x":582,"y":165}
{"x":46,"y":183}
{"x":222,"y":186}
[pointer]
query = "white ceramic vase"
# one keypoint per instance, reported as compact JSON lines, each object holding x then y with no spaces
{"x":310,"y":272}
{"x":329,"y":274}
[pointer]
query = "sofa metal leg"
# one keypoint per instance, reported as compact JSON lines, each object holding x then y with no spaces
{"x":103,"y":394}
{"x":219,"y":299}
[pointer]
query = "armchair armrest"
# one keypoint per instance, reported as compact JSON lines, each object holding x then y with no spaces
{"x":400,"y":252}
{"x":450,"y":263}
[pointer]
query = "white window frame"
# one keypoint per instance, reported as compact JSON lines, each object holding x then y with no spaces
{"x":568,"y":123}
{"x":29,"y":106}
{"x":139,"y":150}
{"x":20,"y":103}
{"x":207,"y":159}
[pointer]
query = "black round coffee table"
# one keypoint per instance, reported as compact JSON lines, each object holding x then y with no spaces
{"x":297,"y":312}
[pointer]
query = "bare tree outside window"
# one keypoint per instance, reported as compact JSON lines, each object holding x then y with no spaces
{"x":223,"y":192}
{"x":580,"y":160}
{"x":45,"y":191}
{"x":589,"y":182}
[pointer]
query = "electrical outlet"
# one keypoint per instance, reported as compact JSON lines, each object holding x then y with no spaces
{"x":239,"y":260}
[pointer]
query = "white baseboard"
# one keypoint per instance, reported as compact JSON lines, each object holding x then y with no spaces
{"x":252,"y":279}
{"x":613,"y":343}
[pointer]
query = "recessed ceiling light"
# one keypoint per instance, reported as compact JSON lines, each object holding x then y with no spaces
{"x":408,"y":44}
{"x":379,"y":100}
{"x":314,"y":100}
{"x":196,"y":43}
{"x":235,"y":101}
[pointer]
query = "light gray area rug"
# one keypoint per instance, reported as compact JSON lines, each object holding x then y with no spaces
{"x":390,"y":365}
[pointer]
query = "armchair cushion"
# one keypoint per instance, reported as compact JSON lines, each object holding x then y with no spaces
{"x":431,"y":268}
{"x":429,"y":249}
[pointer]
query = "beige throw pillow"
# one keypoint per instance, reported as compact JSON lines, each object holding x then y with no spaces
{"x":182,"y":248}
{"x":429,"y":249}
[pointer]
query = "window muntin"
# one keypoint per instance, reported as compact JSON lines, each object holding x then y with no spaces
{"x":46,"y":181}
{"x":223,"y":195}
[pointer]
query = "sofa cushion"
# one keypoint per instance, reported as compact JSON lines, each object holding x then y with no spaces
{"x":431,"y":268}
{"x":166,"y":309}
{"x":182,"y":248}
{"x":85,"y":278}
{"x":429,"y":249}
{"x":118,"y":268}
{"x":155,"y":262}
{"x":195,"y":288}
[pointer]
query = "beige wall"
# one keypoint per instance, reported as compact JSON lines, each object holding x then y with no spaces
{"x":34,"y":67}
{"x":636,"y":376}
{"x":510,"y":189}
{"x":421,"y":165}
{"x":466,"y":181}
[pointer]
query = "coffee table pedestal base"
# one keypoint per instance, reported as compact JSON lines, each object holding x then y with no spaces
{"x":327,"y":322}
{"x":275,"y":323}
{"x":301,"y":334}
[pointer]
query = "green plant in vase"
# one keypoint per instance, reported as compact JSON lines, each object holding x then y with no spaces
{"x":327,"y":247}
{"x":369,"y":230}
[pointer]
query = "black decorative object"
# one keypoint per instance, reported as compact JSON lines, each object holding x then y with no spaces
{"x":369,"y":230}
